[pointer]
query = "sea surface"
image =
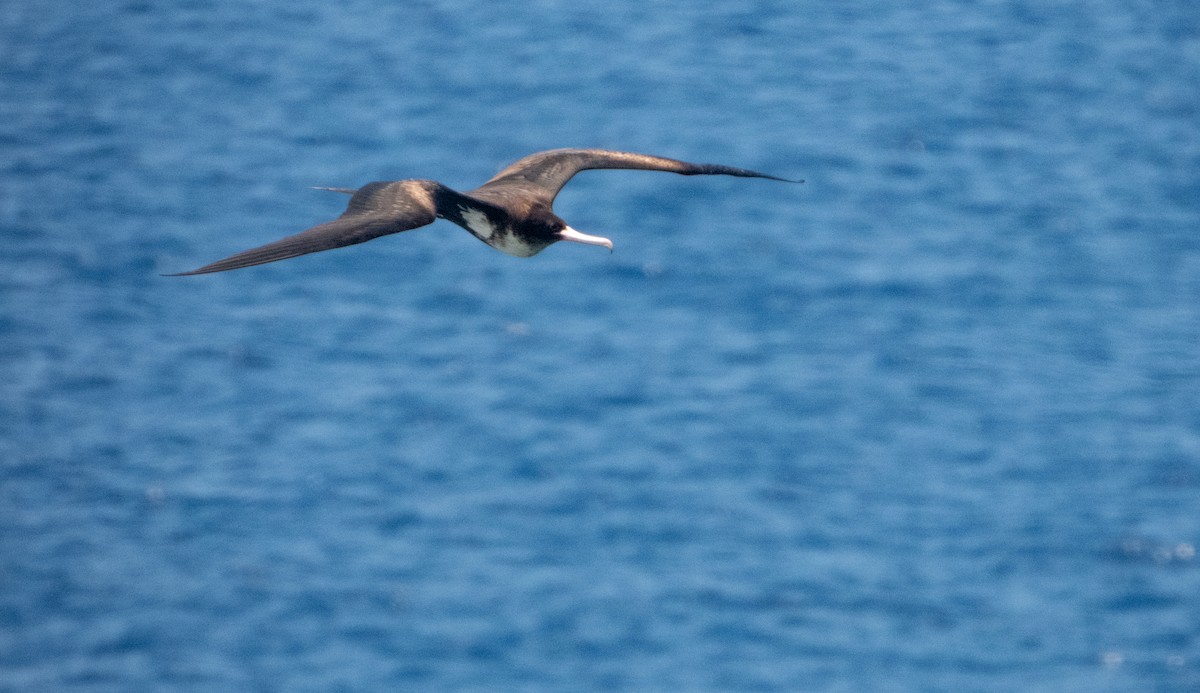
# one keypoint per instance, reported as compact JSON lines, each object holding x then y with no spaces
{"x":929,"y":421}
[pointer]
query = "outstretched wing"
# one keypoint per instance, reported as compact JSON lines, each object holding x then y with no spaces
{"x":545,"y":173}
{"x":376,"y":209}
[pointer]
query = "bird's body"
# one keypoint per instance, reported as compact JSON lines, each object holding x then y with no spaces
{"x":512,"y":212}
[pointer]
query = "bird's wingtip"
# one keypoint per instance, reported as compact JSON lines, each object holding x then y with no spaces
{"x":780,"y":178}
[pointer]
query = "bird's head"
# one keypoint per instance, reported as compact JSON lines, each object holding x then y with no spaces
{"x":543,"y":230}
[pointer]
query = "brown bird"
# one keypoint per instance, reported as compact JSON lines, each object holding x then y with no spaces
{"x":511,"y":212}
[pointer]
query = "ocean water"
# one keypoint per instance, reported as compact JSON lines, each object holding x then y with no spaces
{"x":928,"y":422}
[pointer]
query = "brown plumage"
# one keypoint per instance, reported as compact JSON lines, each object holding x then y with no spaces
{"x":512,"y":212}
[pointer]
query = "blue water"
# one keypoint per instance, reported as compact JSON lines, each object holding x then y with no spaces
{"x":930,"y":421}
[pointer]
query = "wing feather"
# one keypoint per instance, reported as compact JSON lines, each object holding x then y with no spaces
{"x":375,"y":210}
{"x":545,"y":173}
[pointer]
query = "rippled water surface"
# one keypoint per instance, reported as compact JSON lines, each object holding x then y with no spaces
{"x":930,"y":421}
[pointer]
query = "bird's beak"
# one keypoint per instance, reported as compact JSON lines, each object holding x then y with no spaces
{"x":570,"y":234}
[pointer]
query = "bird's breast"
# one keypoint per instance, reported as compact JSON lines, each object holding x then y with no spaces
{"x":500,"y":236}
{"x":508,"y":242}
{"x":478,"y":223}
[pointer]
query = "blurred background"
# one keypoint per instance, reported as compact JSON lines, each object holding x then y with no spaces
{"x":930,"y":421}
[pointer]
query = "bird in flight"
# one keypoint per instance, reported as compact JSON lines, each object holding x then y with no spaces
{"x":511,"y":212}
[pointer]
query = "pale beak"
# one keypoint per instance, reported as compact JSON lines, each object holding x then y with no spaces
{"x":570,"y":234}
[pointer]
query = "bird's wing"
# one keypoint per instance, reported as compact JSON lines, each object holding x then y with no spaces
{"x":545,"y":173}
{"x":376,"y":209}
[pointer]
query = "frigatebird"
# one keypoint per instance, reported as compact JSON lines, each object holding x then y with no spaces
{"x":511,"y":212}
